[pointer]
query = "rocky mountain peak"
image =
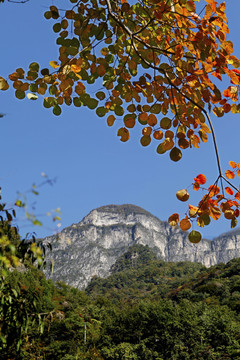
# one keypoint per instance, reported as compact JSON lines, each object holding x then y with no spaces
{"x":90,"y":247}
{"x":116,"y":214}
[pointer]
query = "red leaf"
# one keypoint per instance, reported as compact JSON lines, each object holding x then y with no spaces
{"x":228,"y":190}
{"x":236,"y":71}
{"x":237,"y":196}
{"x":200,"y":179}
{"x":236,"y":213}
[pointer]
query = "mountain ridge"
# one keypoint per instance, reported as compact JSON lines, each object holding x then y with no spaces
{"x":90,"y":247}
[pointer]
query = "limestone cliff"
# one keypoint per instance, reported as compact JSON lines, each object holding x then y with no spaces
{"x":92,"y":246}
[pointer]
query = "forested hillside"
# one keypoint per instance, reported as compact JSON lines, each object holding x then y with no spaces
{"x":146,"y":309}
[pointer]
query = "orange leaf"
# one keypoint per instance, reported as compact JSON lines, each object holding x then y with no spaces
{"x":152,"y":120}
{"x":213,"y":190}
{"x":230,"y":174}
{"x":196,"y":186}
{"x":147,"y":130}
{"x":110,"y":120}
{"x":185,"y":224}
{"x":228,"y":190}
{"x":158,"y":135}
{"x":227,"y":93}
{"x":200,"y":179}
{"x":237,"y":196}
{"x":173,"y":220}
{"x":143,"y":116}
{"x":215,"y":212}
{"x":232,"y":164}
{"x":129,"y":122}
{"x":124,"y":133}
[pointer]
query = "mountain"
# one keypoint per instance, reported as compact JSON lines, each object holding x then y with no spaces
{"x":90,"y":247}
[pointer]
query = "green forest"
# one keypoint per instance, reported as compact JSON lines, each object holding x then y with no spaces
{"x":146,"y":309}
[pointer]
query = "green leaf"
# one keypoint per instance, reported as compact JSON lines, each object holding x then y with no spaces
{"x":175,"y":154}
{"x":77,"y":102}
{"x":100,"y":95}
{"x":92,"y":104}
{"x":206,"y":219}
{"x":20,"y":94}
{"x":48,"y":15}
{"x":45,"y":71}
{"x":101,"y":111}
{"x":37,"y":222}
{"x":155,"y":109}
{"x":233,"y":222}
{"x":160,"y":149}
{"x":195,"y":237}
{"x":19,"y":203}
{"x":57,"y":110}
{"x":119,"y":111}
{"x":33,"y":87}
{"x":34,"y":67}
{"x":165,"y":123}
{"x":57,"y":27}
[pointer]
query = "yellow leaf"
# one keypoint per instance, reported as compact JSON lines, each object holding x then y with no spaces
{"x":54,"y":64}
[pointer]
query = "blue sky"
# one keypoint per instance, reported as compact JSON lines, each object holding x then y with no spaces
{"x":91,"y":165}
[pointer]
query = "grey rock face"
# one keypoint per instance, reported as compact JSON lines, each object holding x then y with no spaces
{"x":92,"y":246}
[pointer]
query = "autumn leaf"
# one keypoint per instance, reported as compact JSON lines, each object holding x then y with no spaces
{"x":185,"y":224}
{"x":110,"y":120}
{"x":229,"y":214}
{"x":182,"y":195}
{"x":232,"y":164}
{"x":200,"y":179}
{"x":124,"y":134}
{"x":193,"y":210}
{"x":237,"y":196}
{"x":215,"y":212}
{"x":228,"y":190}
{"x":230,"y":174}
{"x":213,"y":190}
{"x":173,"y":220}
{"x":54,"y":64}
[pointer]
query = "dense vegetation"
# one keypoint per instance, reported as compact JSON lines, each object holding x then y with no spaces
{"x":146,"y":309}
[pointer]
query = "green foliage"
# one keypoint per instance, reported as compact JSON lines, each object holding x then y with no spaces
{"x":136,"y":256}
{"x":21,"y":296}
{"x":154,"y":311}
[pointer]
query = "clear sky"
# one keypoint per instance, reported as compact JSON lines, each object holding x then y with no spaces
{"x":91,"y":165}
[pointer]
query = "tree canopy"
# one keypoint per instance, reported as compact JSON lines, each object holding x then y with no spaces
{"x":151,"y":63}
